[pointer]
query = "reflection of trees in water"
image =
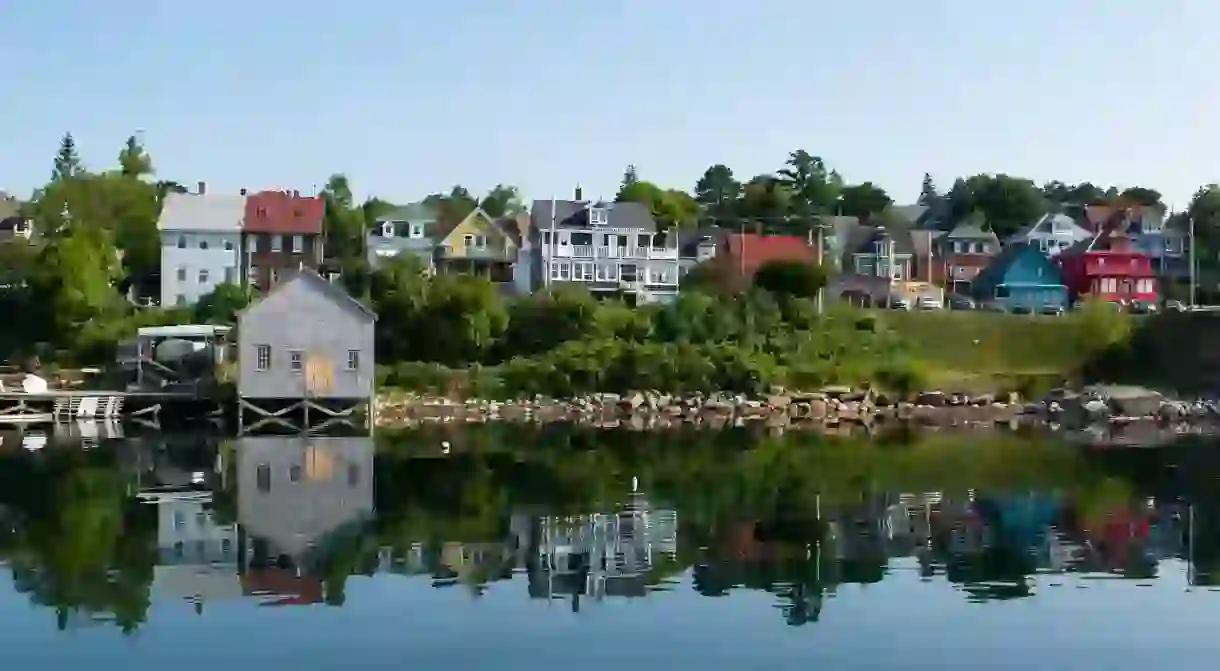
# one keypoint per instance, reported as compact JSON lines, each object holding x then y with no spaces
{"x":83,"y":546}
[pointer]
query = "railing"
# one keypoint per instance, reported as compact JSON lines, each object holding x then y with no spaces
{"x":613,"y":252}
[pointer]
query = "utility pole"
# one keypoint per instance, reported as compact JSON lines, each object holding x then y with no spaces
{"x":1192,"y":261}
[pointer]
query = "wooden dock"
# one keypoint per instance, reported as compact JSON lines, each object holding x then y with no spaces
{"x":65,"y":405}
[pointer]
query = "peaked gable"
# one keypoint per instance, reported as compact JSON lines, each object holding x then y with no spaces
{"x":1021,"y":257}
{"x":480,"y":220}
{"x":315,"y":282}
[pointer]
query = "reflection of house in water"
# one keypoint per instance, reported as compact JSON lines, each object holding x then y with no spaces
{"x":600,"y":555}
{"x":297,"y":498}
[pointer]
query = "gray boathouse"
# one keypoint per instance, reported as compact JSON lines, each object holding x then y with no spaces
{"x":305,"y":357}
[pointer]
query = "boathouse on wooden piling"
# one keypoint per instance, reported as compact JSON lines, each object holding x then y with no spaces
{"x":305,"y":357}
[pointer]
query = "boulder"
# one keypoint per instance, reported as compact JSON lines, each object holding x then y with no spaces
{"x":935,"y":399}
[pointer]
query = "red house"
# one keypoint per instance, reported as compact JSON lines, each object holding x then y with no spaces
{"x":1110,"y":267}
{"x":742,"y":254}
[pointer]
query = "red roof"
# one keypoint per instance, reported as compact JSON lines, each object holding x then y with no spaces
{"x":749,"y":251}
{"x":283,"y":212}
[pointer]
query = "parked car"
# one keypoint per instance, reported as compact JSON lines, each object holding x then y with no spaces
{"x":1142,"y":307}
{"x":1053,"y":309}
{"x":928,"y":303}
{"x":1176,"y":306}
{"x":900,"y":303}
{"x":958,"y":302}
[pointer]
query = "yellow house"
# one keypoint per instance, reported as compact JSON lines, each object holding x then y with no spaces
{"x":479,"y":244}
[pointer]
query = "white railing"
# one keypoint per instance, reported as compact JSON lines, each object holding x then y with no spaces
{"x":612,"y":252}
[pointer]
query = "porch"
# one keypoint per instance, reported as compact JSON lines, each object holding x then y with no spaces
{"x":500,"y":272}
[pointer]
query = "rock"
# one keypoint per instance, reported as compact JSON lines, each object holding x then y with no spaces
{"x":779,"y":402}
{"x":1132,"y":401}
{"x":836,"y":391}
{"x":818,"y":410}
{"x":934,"y":399}
{"x":1096,"y":408}
{"x":849,"y":411}
{"x":983,"y":399}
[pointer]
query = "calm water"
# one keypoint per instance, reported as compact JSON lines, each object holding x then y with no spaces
{"x":587,"y":550}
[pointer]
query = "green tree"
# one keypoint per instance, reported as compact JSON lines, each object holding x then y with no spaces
{"x":1140,"y":195}
{"x":669,"y":207}
{"x":502,"y":201}
{"x":928,"y":195}
{"x":766,"y":200}
{"x":1204,"y":211}
{"x":790,"y":279}
{"x":863,"y":200}
{"x":222,"y":305}
{"x":812,"y":185}
{"x":133,"y":160}
{"x":717,"y":192}
{"x":1007,"y":202}
{"x":67,"y":160}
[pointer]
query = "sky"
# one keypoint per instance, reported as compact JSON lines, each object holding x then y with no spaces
{"x":410,"y":98}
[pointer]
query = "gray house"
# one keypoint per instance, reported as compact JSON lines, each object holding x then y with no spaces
{"x":409,"y":229}
{"x":306,"y":344}
{"x":698,"y":245}
{"x":608,"y":247}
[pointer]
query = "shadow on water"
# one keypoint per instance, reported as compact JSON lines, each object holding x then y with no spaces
{"x":100,"y":533}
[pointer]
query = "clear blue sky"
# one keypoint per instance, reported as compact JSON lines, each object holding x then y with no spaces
{"x":409,"y":98}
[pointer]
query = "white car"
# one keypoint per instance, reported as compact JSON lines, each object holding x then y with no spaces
{"x":928,"y":303}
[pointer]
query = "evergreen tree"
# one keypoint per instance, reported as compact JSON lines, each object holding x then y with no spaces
{"x":927,"y":193}
{"x":67,"y":161}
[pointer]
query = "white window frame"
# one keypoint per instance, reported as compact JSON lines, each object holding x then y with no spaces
{"x":203,"y":275}
{"x":582,"y":272}
{"x":277,"y":243}
{"x":598,"y":216}
{"x":181,"y":273}
{"x":480,"y":242}
{"x":296,"y":361}
{"x":262,"y":358}
{"x":561,"y":271}
{"x":416,"y":231}
{"x":353,"y":359}
{"x":298,"y":244}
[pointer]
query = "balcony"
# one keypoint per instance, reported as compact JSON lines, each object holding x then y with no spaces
{"x":614,"y":252}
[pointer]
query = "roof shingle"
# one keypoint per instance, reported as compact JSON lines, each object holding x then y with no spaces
{"x":283,"y":212}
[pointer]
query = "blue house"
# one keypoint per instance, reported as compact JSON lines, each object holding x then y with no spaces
{"x":1021,"y":278}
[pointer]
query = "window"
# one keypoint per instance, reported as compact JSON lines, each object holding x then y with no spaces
{"x":353,"y":359}
{"x":1001,"y":291}
{"x":642,"y":241}
{"x":276,"y":243}
{"x":546,"y":237}
{"x":228,"y":245}
{"x":598,"y":216}
{"x":230,"y":274}
{"x":560,"y":271}
{"x":582,"y":238}
{"x":628,"y":272}
{"x":181,"y":242}
{"x":253,"y":240}
{"x":417,"y":231}
{"x":298,"y":244}
{"x":203,"y":244}
{"x":295,"y":361}
{"x":203,"y":276}
{"x":262,"y":357}
{"x":582,"y":272}
{"x":294,"y":473}
{"x":181,"y":299}
{"x":468,"y":240}
{"x":263,"y":477}
{"x":605,"y":273}
{"x":959,"y":247}
{"x":480,"y":241}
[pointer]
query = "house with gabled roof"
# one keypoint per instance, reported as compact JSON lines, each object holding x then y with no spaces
{"x":610,"y":248}
{"x":1052,"y":233}
{"x":201,"y":244}
{"x":481,"y":245}
{"x":282,"y":232}
{"x":962,"y":252}
{"x":410,"y":229}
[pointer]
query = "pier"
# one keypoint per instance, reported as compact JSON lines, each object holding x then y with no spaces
{"x":66,"y":405}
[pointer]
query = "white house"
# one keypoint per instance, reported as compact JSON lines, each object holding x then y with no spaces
{"x":200,"y":244}
{"x":1052,"y":233}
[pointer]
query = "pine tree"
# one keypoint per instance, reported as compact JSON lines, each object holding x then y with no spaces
{"x":67,"y":161}
{"x":927,"y":193}
{"x":133,"y":160}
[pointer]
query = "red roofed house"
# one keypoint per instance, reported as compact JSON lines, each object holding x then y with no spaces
{"x":1110,"y":266}
{"x":742,"y":254}
{"x":282,"y":230}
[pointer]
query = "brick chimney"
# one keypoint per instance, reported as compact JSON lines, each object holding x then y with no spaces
{"x":579,"y":194}
{"x":203,"y":188}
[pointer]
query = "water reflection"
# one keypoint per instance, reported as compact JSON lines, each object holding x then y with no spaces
{"x":101,"y":534}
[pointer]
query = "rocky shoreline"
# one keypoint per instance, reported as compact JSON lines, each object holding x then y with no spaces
{"x":827,"y":409}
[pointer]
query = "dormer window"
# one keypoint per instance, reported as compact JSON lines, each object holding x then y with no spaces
{"x":417,"y":231}
{"x":387,"y":230}
{"x":598,"y":216}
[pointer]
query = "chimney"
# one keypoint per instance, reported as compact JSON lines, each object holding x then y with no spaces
{"x":203,"y":188}
{"x":579,"y":194}
{"x":296,"y":194}
{"x":243,"y":191}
